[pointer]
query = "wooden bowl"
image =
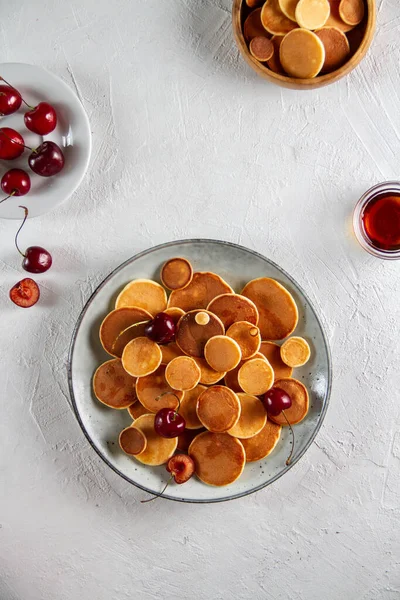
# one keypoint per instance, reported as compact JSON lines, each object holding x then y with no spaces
{"x":303,"y":84}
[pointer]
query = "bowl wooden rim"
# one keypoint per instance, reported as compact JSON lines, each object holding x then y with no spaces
{"x":303,"y":84}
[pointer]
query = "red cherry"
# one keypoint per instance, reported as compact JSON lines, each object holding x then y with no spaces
{"x":25,"y":293}
{"x":37,"y":260}
{"x":161,"y":329}
{"x":10,"y":100}
{"x":276,"y":400}
{"x":168,"y":423}
{"x":15,"y":182}
{"x":11,"y":143}
{"x":46,"y":160}
{"x":181,"y":467}
{"x":42,"y":119}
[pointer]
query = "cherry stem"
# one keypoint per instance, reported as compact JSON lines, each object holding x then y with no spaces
{"x":160,"y":493}
{"x":171,"y":394}
{"x":11,"y":86}
{"x":7,"y":197}
{"x":20,"y":227}
{"x":289,"y":458}
{"x":18,"y":143}
{"x":127,"y":328}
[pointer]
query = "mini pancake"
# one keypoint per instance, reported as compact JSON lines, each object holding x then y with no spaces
{"x":202,"y":318}
{"x":113,"y":386}
{"x":274,"y":63}
{"x":233,"y":307}
{"x":288,"y":7}
{"x":218,"y":408}
{"x":262,"y":444}
{"x":208,"y":375}
{"x":143,"y":293}
{"x":252,"y":419}
{"x":116,"y":330}
{"x":295,"y":352}
{"x":203,"y":288}
{"x":219,"y":458}
{"x":137,"y":410}
{"x":254,"y":3}
{"x":176,"y":273}
{"x":187,"y":437}
{"x":300,"y":401}
{"x":256,"y":376}
{"x":175,"y":313}
{"x":352,"y":11}
{"x":182,"y":373}
{"x":152,"y":392}
{"x":192,"y":337}
{"x":302,"y":54}
{"x":335,"y":19}
{"x":247,"y":336}
{"x":261,"y":48}
{"x":169,"y":352}
{"x":159,"y":449}
{"x":252,"y":26}
{"x":273,"y":19}
{"x":312,"y":14}
{"x":231,"y":377}
{"x":337,"y":47}
{"x":188,"y":406}
{"x":141,"y":357}
{"x":222,"y":353}
{"x":132,"y":441}
{"x":272,"y":353}
{"x":276,"y":307}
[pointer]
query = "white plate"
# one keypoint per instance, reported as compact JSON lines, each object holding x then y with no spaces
{"x":102,"y":425}
{"x":72,"y":134}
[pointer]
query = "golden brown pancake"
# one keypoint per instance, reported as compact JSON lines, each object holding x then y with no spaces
{"x":272,"y":353}
{"x":254,"y":3}
{"x":302,"y":54}
{"x":261,"y":48}
{"x":116,"y":330}
{"x":218,"y":408}
{"x":192,"y":337}
{"x":182,"y":373}
{"x":159,"y":449}
{"x":187,"y":437}
{"x":276,"y":307}
{"x":256,"y":376}
{"x":169,"y":352}
{"x":113,"y":386}
{"x":175,"y":313}
{"x":141,"y":357}
{"x":188,"y":406}
{"x":252,"y":26}
{"x":203,"y":288}
{"x":247,"y":336}
{"x":208,"y":375}
{"x":262,"y":444}
{"x":176,"y":273}
{"x":352,"y":11}
{"x":143,"y":293}
{"x":231,"y":377}
{"x":295,"y":352}
{"x":312,"y":14}
{"x":132,"y":441}
{"x":274,"y":63}
{"x":335,"y":19}
{"x":299,"y":396}
{"x":219,"y":458}
{"x":288,"y":7}
{"x":337,"y":48}
{"x":253,"y":417}
{"x":222,"y":353}
{"x":137,"y":410}
{"x":273,"y":19}
{"x":152,"y":392}
{"x":233,"y":307}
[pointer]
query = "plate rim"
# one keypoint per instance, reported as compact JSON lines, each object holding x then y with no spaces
{"x":79,"y":323}
{"x":86,"y":120}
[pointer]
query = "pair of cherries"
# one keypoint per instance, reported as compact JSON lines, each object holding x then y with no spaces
{"x":41,"y":119}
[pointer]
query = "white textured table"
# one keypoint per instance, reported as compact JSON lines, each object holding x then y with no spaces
{"x":189,"y":143}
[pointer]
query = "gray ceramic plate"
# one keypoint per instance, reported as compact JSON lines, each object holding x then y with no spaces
{"x":101,"y":425}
